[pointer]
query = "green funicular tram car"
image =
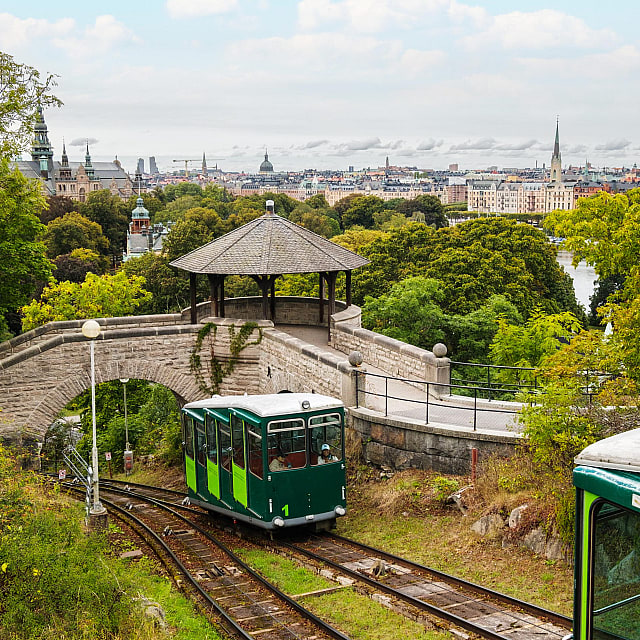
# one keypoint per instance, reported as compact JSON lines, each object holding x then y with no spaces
{"x":273,"y":461}
{"x":607,"y":556}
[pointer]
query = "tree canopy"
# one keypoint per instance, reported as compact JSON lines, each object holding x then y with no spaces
{"x":23,"y":262}
{"x":96,"y":297}
{"x":22,"y":92}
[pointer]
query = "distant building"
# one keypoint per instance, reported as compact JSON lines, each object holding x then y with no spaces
{"x":142,"y":236}
{"x":140,"y":166}
{"x":453,"y":167}
{"x":265,"y":165}
{"x":153,"y":167}
{"x":75,"y":180}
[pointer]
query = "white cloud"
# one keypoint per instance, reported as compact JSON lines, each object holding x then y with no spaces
{"x":104,"y":35}
{"x":418,"y":61}
{"x":15,"y":32}
{"x":429,"y":145}
{"x":195,"y":8}
{"x":482,"y":144}
{"x":613,"y":145}
{"x":542,"y":29}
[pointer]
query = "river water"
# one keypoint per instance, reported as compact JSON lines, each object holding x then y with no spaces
{"x":584,"y":277}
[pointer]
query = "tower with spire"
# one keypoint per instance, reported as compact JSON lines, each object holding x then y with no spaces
{"x":88,"y":167}
{"x":265,"y":165}
{"x":41,"y":150}
{"x":204,"y":166}
{"x":556,"y":158}
{"x":65,"y":170}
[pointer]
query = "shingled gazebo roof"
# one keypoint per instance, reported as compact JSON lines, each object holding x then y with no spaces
{"x":269,"y":245}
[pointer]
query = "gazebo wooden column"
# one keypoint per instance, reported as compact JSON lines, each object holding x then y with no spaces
{"x":267,"y":285}
{"x":348,"y":288}
{"x":216,"y":287}
{"x":192,"y":296}
{"x":331,"y":276}
{"x":321,"y":297}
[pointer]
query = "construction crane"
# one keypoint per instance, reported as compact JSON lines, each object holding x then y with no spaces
{"x":186,"y":164}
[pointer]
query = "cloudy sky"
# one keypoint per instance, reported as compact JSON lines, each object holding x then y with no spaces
{"x":333,"y":83}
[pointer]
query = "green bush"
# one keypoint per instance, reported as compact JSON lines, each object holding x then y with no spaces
{"x":444,"y":487}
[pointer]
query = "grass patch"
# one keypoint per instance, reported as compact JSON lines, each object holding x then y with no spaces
{"x":418,"y":527}
{"x":286,"y":574}
{"x":363,"y":619}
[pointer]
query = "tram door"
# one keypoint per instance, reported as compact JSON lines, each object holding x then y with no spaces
{"x":225,"y":454}
{"x":189,"y":458}
{"x":239,"y":460}
{"x":201,"y":459}
{"x":213,"y":470}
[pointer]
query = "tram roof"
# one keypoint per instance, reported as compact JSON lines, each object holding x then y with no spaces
{"x":621,"y":452}
{"x":270,"y":404}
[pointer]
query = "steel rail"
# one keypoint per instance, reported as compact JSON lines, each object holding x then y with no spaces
{"x":561,"y":620}
{"x":332,"y":631}
{"x":235,"y":627}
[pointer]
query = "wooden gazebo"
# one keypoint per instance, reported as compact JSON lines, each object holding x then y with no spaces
{"x":265,"y":248}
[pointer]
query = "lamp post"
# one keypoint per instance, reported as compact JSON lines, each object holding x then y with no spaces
{"x":91,"y":330}
{"x":128,"y":454}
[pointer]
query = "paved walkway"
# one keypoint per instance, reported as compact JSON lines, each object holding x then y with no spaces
{"x":404,"y":400}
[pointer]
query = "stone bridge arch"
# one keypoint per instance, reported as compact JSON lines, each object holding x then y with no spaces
{"x":42,"y":370}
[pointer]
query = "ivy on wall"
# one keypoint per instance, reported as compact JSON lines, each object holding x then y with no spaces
{"x":215,"y":372}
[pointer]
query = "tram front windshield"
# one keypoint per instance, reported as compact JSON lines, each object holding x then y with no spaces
{"x":616,"y":573}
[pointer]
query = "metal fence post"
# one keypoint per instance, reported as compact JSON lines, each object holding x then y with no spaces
{"x":475,"y":407}
{"x":427,"y":414}
{"x":386,"y":396}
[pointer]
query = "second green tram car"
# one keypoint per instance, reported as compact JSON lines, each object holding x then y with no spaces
{"x":274,"y":461}
{"x":607,"y":549}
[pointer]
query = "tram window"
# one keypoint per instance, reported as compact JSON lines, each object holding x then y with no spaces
{"x":255,"y":454}
{"x":188,"y":437}
{"x":288,"y":438}
{"x":615,"y":573}
{"x":237,"y":439}
{"x":224,"y":437}
{"x":212,"y":447}
{"x":201,"y":444}
{"x":325,"y":429}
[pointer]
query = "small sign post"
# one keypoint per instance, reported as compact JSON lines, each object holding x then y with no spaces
{"x":62,"y":474}
{"x":107,"y":456}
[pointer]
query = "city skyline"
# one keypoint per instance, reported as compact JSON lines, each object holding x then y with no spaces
{"x":327,"y":84}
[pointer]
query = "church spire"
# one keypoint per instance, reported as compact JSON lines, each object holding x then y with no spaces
{"x":204,"y":165}
{"x":556,"y":158}
{"x":41,"y":150}
{"x":87,"y":164}
{"x":65,"y":170}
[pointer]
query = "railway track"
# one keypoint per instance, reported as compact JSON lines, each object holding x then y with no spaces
{"x":476,"y":609}
{"x":482,"y":611}
{"x":249,"y":606}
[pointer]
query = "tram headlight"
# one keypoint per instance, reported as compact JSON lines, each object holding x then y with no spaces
{"x":340,"y":511}
{"x":278,"y":521}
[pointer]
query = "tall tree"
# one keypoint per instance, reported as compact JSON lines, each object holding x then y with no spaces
{"x":23,"y":261}
{"x":74,"y":231}
{"x":96,"y":297}
{"x":429,"y":206}
{"x":111,"y":214}
{"x":22,"y":91}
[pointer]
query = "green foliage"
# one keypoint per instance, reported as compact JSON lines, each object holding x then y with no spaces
{"x":413,"y":312}
{"x":473,"y":260}
{"x":22,"y":91}
{"x":74,"y":231}
{"x":75,"y":266}
{"x":527,"y":345}
{"x":444,"y":487}
{"x":96,"y":297}
{"x":361,"y":212}
{"x":111,"y":214}
{"x":216,"y":372}
{"x":429,"y":206}
{"x":23,"y":263}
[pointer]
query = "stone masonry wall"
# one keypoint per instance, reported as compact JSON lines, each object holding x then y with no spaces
{"x":37,"y":382}
{"x":394,"y":357}
{"x":287,"y":363}
{"x":403,"y":443}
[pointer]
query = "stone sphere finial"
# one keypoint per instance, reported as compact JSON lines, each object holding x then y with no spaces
{"x":439,"y":350}
{"x":355,"y":358}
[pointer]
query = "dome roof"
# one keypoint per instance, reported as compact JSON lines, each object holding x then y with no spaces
{"x":265,"y":165}
{"x":140,"y":211}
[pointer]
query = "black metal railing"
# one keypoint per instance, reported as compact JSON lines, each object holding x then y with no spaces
{"x":491,"y":386}
{"x":429,"y":394}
